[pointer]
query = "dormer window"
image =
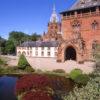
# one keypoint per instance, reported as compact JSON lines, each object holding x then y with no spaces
{"x":95,"y":25}
{"x":82,"y":3}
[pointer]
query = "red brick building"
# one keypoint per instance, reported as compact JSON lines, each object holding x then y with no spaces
{"x":81,"y":31}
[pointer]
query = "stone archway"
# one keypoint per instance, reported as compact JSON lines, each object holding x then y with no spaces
{"x":70,"y":53}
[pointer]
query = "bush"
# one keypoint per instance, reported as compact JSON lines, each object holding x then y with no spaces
{"x":98,"y":64}
{"x":75,"y":73}
{"x":59,"y":71}
{"x":37,"y":95}
{"x":91,"y":91}
{"x":82,"y":79}
{"x":23,"y":63}
{"x":1,"y":69}
{"x":49,"y":84}
{"x":1,"y":62}
{"x":29,"y":69}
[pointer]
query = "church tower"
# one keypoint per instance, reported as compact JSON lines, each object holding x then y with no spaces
{"x":54,"y":28}
{"x":54,"y":24}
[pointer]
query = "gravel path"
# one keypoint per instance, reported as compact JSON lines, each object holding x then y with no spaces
{"x":49,"y":64}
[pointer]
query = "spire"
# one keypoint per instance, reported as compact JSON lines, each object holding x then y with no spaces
{"x":54,"y":9}
{"x":54,"y":17}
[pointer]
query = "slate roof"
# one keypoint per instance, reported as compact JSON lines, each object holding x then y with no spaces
{"x":79,"y":6}
{"x":40,"y":44}
{"x":85,"y":4}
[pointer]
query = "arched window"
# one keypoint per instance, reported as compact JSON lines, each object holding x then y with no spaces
{"x":42,"y":53}
{"x":94,"y":44}
{"x":24,"y":53}
{"x":76,"y":26}
{"x":95,"y":25}
{"x":19,"y":53}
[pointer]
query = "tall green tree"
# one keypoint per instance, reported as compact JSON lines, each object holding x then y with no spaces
{"x":2,"y":45}
{"x":35,"y":37}
{"x":15,"y":39}
{"x":18,"y":37}
{"x":10,"y":47}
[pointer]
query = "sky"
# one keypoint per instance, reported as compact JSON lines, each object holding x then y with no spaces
{"x":28,"y":16}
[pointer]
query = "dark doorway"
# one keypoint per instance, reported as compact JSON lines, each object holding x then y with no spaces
{"x":70,"y":54}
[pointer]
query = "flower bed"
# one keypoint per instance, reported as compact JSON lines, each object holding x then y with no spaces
{"x":48,"y":85}
{"x":38,"y":95}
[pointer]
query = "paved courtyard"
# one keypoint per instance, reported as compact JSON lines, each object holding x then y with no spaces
{"x":49,"y":64}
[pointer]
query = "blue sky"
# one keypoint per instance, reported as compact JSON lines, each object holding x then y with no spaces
{"x":28,"y":16}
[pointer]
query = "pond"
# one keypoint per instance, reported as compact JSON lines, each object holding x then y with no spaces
{"x":7,"y":88}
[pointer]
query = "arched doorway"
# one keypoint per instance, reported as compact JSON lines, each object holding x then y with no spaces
{"x":70,"y":53}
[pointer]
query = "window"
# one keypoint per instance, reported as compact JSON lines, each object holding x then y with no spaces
{"x":94,"y":44}
{"x":48,"y":48}
{"x":36,"y":53}
{"x":30,"y":48}
{"x":76,"y":26}
{"x":19,"y":53}
{"x":36,"y":48}
{"x":55,"y":48}
{"x":24,"y":53}
{"x":27,"y":48}
{"x":42,"y":48}
{"x":55,"y":54}
{"x":94,"y":25}
{"x":48,"y":53}
{"x":42,"y":53}
{"x":27,"y":53}
{"x":30,"y":52}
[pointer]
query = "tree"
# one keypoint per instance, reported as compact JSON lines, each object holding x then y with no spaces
{"x":15,"y":39}
{"x":23,"y":63}
{"x":18,"y":37}
{"x":35,"y":37}
{"x":2,"y":45}
{"x":10,"y":47}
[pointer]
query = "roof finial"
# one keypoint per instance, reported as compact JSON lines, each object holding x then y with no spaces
{"x":54,"y":8}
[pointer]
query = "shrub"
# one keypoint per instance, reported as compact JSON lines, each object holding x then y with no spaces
{"x":98,"y":64}
{"x":23,"y":63}
{"x":91,"y":91}
{"x":50,"y":84}
{"x":29,"y":69}
{"x":82,"y":79}
{"x":27,"y":82}
{"x":1,"y":69}
{"x":59,"y":71}
{"x":74,"y":73}
{"x":1,"y":61}
{"x":37,"y":95}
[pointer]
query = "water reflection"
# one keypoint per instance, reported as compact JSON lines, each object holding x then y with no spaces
{"x":7,"y":88}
